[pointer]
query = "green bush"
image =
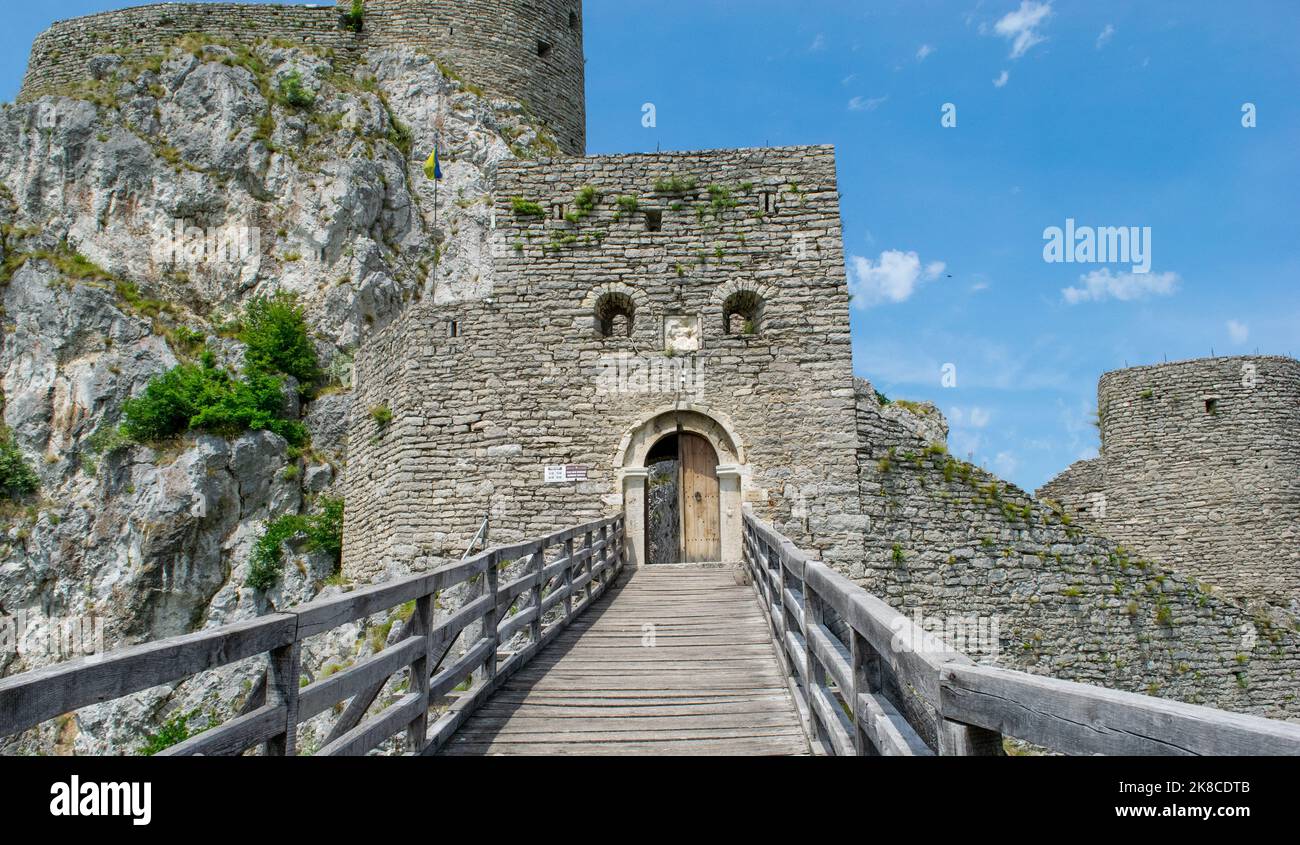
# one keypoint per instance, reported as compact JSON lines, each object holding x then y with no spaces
{"x":202,"y":397}
{"x":526,"y":208}
{"x":294,"y":94}
{"x":354,"y":19}
{"x":17,"y":478}
{"x":174,"y":731}
{"x":320,"y":531}
{"x":275,"y":332}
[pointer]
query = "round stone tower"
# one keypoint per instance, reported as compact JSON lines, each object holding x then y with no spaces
{"x":523,"y":49}
{"x":1200,"y":469}
{"x":529,"y":50}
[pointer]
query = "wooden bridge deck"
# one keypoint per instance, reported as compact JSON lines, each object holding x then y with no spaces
{"x":708,"y":684}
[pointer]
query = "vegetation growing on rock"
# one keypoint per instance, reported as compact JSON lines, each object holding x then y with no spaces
{"x":205,"y":397}
{"x":320,"y":531}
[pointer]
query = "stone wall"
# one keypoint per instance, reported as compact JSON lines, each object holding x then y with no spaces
{"x":529,"y":381}
{"x":496,"y":44}
{"x":1200,"y":467}
{"x":958,"y":545}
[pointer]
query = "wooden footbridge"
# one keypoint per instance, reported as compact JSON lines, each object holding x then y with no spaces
{"x":555,"y":646}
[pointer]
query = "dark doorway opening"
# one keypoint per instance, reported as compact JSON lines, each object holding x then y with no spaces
{"x":683,"y":517}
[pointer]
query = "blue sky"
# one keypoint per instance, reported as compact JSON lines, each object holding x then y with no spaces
{"x":1110,"y":113}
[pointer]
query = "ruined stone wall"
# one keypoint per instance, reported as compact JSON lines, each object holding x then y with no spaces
{"x":953,"y":542}
{"x":527,"y":382}
{"x":521,"y":49}
{"x":1200,"y":467}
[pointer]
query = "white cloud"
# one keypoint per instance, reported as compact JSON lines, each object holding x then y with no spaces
{"x":1021,"y":26}
{"x":848,"y":79}
{"x":1005,"y":464}
{"x":894,"y":278}
{"x":924,"y":52}
{"x":1238,"y":331}
{"x":866,"y":104}
{"x":975,"y":417}
{"x":1100,"y":285}
{"x":818,"y":43}
{"x":965,"y":444}
{"x":1106,"y":34}
{"x":1001,"y":80}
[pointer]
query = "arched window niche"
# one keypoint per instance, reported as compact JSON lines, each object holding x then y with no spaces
{"x":616,"y":310}
{"x":743,"y":306}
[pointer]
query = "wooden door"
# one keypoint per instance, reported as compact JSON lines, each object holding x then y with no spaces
{"x":701,"y":517}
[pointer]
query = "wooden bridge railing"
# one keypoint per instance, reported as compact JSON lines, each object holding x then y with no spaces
{"x":868,"y":681}
{"x":501,"y":627}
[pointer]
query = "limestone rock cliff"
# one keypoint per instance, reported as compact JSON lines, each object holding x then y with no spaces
{"x":140,"y":212}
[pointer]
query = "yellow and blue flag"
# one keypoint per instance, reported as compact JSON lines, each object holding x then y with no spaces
{"x":433,"y":167}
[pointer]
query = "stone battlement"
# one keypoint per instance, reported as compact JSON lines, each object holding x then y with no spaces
{"x":529,"y":51}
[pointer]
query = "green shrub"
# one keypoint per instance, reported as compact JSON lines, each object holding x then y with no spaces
{"x":174,"y":731}
{"x":253,"y":404}
{"x":382,"y":415}
{"x":293,"y":94}
{"x":275,"y":333}
{"x":320,"y":531}
{"x":677,"y":185}
{"x":203,"y":397}
{"x":526,"y":208}
{"x":17,"y":478}
{"x":355,"y":18}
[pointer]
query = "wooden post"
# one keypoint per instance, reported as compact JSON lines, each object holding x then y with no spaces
{"x":958,"y":740}
{"x":489,"y":672}
{"x":866,"y":679}
{"x":536,"y":564}
{"x":604,"y":555}
{"x":282,"y":680}
{"x":812,"y":618}
{"x":420,"y":673}
{"x":622,"y":542}
{"x":568,"y":581}
{"x":586,"y":587}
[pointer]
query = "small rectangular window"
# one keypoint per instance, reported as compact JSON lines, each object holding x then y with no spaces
{"x":557,"y":211}
{"x":544,"y":49}
{"x":654,"y":221}
{"x":1211,"y":406}
{"x":769,"y":202}
{"x":453,"y":328}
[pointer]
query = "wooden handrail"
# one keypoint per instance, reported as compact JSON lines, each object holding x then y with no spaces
{"x":895,"y":689}
{"x":31,"y":698}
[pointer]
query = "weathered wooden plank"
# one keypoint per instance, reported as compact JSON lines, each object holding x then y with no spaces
{"x":888,"y":731}
{"x":452,"y":677}
{"x":420,"y":670}
{"x":449,"y":629}
{"x":755,"y":747}
{"x":1081,"y":719}
{"x":34,"y":697}
{"x":832,"y":655}
{"x":370,"y":734}
{"x":514,"y":624}
{"x":234,"y":737}
{"x":322,"y":695}
{"x":283,"y":672}
{"x":327,"y":614}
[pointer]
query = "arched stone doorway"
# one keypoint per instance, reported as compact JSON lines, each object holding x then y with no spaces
{"x":708,"y":466}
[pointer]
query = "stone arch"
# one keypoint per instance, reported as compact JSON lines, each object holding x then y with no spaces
{"x":720,"y":432}
{"x":740,"y":304}
{"x":608,"y":305}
